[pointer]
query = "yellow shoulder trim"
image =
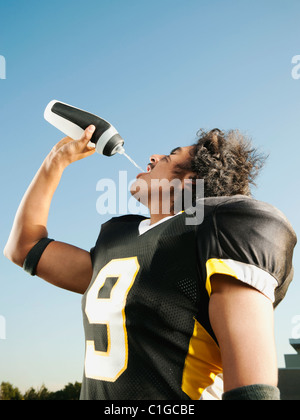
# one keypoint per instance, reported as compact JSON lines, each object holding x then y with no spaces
{"x":215,"y":266}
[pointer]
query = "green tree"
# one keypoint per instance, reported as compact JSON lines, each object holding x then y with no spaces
{"x":8,"y":392}
{"x":36,"y":395}
{"x":71,"y":392}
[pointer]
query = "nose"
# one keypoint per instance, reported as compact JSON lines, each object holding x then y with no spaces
{"x":155,"y":158}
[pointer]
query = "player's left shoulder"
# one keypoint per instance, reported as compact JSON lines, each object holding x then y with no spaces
{"x":258,"y":212}
{"x":248,"y":204}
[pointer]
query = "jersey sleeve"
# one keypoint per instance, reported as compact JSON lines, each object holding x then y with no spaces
{"x":252,"y":242}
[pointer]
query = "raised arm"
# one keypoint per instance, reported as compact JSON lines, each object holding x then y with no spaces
{"x":61,"y":264}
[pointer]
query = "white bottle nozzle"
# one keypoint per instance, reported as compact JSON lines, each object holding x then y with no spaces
{"x":120,"y":149}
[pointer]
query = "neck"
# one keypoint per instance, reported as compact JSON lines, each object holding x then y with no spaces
{"x":159,"y":211}
{"x":158,"y":217}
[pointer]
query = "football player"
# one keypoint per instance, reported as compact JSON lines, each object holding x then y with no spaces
{"x":171,"y":308}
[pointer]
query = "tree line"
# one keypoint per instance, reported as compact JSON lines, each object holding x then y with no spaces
{"x":70,"y":392}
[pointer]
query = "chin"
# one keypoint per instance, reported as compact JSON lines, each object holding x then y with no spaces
{"x":139,"y":190}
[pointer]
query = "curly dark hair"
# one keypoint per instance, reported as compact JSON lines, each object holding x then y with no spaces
{"x":227,"y":161}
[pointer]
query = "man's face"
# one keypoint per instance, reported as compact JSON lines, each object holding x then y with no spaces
{"x":161,"y":167}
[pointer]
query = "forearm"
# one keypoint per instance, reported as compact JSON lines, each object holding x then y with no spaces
{"x":30,"y":224}
{"x":60,"y":264}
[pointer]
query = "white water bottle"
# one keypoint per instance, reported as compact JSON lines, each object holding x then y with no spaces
{"x":73,"y":121}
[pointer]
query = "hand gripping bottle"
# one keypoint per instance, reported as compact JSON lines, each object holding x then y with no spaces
{"x":73,"y":121}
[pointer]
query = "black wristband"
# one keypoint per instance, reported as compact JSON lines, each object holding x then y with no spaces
{"x":34,"y":256}
{"x":254,"y":393}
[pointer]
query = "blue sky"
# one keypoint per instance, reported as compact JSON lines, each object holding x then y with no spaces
{"x":158,"y":71}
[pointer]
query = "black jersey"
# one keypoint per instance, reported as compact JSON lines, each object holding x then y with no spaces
{"x":148,"y":334}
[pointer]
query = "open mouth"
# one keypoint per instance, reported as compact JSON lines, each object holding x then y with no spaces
{"x":148,"y":170}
